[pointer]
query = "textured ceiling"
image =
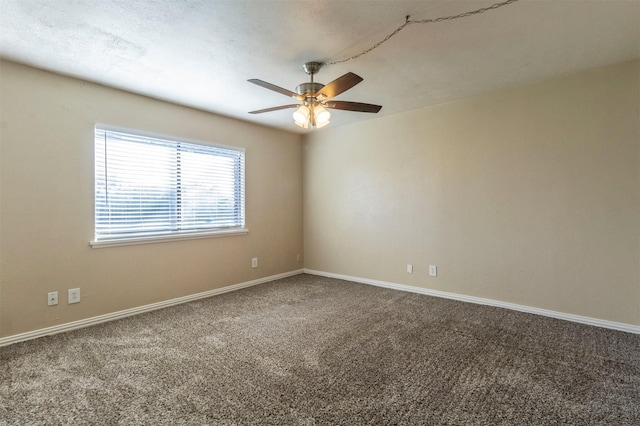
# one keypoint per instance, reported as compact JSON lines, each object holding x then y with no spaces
{"x":201,"y":53}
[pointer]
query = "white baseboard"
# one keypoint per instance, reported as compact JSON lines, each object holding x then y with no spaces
{"x":4,"y":341}
{"x":629,"y":328}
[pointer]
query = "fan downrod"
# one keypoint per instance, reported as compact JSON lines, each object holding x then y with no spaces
{"x":309,"y":88}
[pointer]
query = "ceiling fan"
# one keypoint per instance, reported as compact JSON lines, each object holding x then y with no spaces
{"x":315,"y":98}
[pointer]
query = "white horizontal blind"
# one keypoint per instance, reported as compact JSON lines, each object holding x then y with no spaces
{"x":146,"y":186}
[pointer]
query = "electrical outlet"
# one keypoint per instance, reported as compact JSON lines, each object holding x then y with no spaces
{"x":254,"y":262}
{"x":409,"y":268}
{"x":73,"y":295}
{"x":52,"y":298}
{"x":433,"y":270}
{"x":298,"y":258}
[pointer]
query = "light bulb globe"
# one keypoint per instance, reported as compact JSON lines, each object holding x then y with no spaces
{"x":301,"y":115}
{"x":322,"y":115}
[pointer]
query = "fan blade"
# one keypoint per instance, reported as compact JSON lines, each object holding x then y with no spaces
{"x":275,"y":88}
{"x":339,"y":85}
{"x":260,"y":111}
{"x":353,"y":106}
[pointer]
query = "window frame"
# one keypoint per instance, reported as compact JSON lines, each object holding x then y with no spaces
{"x":171,"y":236}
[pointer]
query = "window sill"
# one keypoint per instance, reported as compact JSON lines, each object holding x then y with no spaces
{"x":165,"y":238}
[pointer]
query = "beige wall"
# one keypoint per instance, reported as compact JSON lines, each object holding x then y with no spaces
{"x":529,"y":195}
{"x":46,"y":196}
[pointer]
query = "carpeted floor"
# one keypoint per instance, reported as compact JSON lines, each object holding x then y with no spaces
{"x":308,"y":350}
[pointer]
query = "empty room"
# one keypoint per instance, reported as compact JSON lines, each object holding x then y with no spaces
{"x":328,"y":212}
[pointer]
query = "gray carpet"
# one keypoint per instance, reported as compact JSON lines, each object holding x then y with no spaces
{"x":308,"y":350}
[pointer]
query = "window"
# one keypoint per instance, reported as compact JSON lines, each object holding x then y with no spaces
{"x":149,"y":188}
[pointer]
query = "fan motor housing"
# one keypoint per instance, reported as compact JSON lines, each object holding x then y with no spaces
{"x":309,"y":88}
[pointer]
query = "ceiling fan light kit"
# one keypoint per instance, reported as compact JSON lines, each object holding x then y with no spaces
{"x":304,"y":115}
{"x":314,"y":97}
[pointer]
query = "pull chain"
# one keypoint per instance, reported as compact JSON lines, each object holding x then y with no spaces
{"x":408,"y":21}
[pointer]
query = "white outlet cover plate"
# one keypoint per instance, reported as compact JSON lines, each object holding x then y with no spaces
{"x":433,"y":270}
{"x":73,"y":295}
